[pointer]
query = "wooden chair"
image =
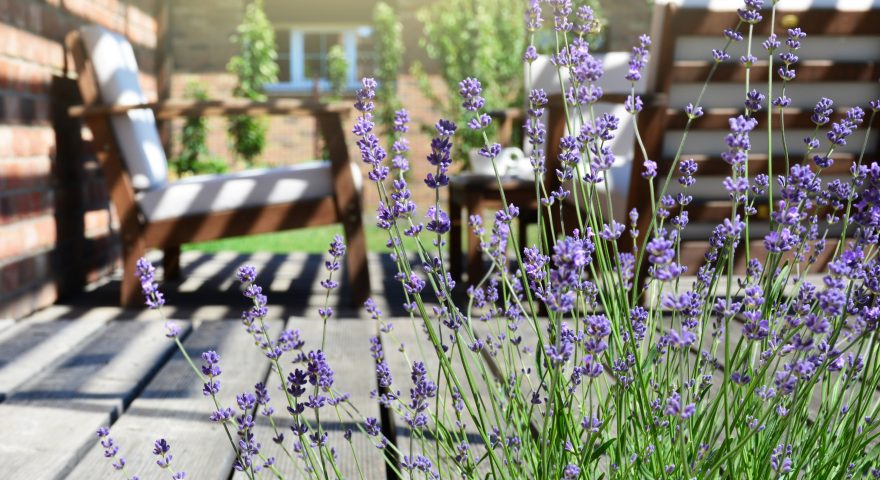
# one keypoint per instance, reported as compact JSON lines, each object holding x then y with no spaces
{"x":155,"y":213}
{"x":615,"y":90}
{"x":838,"y":59}
{"x":474,"y":194}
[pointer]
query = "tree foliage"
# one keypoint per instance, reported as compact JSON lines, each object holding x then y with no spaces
{"x":254,"y":66}
{"x":337,"y":71}
{"x":388,"y":35}
{"x":475,"y":38}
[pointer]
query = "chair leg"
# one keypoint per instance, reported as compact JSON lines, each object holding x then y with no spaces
{"x":356,"y":253}
{"x":171,"y":263}
{"x":130,"y":289}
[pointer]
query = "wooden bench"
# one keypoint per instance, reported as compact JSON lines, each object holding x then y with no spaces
{"x":155,"y":213}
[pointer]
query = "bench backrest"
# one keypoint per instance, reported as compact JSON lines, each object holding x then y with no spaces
{"x":116,"y":74}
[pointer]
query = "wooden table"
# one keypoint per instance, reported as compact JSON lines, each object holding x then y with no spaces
{"x":471,"y":194}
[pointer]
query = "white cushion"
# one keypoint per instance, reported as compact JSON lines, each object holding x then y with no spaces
{"x":117,"y":74}
{"x":615,"y":65}
{"x":252,"y":188}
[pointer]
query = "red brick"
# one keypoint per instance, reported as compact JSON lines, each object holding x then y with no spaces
{"x":31,"y":51}
{"x":20,"y":238}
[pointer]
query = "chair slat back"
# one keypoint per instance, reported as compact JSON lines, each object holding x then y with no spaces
{"x":838,"y":59}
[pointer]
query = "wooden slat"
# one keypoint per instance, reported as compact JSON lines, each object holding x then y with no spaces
{"x":807,"y":71}
{"x":719,"y":119}
{"x":698,"y":21}
{"x":269,"y":218}
{"x":71,"y":401}
{"x":168,"y":109}
{"x":418,"y":347}
{"x":38,"y":346}
{"x":714,"y":165}
{"x":348,"y":352}
{"x":173,"y":407}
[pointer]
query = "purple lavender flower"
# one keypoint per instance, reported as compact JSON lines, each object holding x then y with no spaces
{"x":534,"y":127}
{"x":843,"y":129}
{"x":720,"y":55}
{"x":401,"y":118}
{"x":533,"y":16}
{"x":371,"y":152}
{"x":561,"y":11}
{"x":211,"y":370}
{"x":751,"y":12}
{"x":771,"y":44}
{"x":661,"y":255}
{"x":822,"y":111}
{"x":438,"y":220}
{"x":172,"y":330}
{"x":441,"y":156}
{"x":530,"y":54}
{"x":571,"y":472}
{"x":754,"y":101}
{"x":650,"y":170}
{"x":372,"y":427}
{"x":470,"y":90}
{"x":586,"y":20}
{"x":145,"y":272}
{"x":692,"y":111}
{"x":423,"y":389}
{"x":161,"y":449}
{"x":733,"y":34}
{"x":320,"y":373}
{"x":638,"y":59}
{"x":111,"y":449}
{"x":780,"y":459}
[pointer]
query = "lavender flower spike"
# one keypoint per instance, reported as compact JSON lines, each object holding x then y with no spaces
{"x":145,"y":273}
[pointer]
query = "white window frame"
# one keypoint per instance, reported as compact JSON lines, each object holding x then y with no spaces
{"x":298,"y":82}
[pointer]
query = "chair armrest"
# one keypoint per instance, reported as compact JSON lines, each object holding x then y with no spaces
{"x":167,"y":109}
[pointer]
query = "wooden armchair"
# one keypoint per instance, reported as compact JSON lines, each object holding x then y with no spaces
{"x":838,"y":59}
{"x":155,"y":213}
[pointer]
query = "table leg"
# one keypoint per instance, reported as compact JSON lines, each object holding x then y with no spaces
{"x":474,"y":255}
{"x":455,"y":215}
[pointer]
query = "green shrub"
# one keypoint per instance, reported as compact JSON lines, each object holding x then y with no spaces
{"x":194,"y":157}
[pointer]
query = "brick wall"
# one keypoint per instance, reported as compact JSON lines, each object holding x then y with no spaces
{"x":55,"y":222}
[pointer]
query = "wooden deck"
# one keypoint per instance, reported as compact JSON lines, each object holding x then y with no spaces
{"x":63,"y":379}
{"x":85,"y":363}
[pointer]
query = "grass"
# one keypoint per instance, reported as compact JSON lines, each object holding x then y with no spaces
{"x":308,"y":240}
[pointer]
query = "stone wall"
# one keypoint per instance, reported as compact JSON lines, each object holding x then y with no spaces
{"x":55,"y":221}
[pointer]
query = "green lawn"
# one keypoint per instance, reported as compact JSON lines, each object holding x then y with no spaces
{"x":309,"y":240}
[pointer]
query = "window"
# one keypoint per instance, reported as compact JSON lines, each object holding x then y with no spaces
{"x":302,"y":56}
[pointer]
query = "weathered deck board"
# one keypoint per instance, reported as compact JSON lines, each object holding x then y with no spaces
{"x":6,"y":323}
{"x":173,"y":407}
{"x":83,"y":393}
{"x":417,"y":347}
{"x":348,"y":352}
{"x":33,"y":347}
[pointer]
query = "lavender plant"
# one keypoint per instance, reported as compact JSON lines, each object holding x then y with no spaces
{"x":566,"y":361}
